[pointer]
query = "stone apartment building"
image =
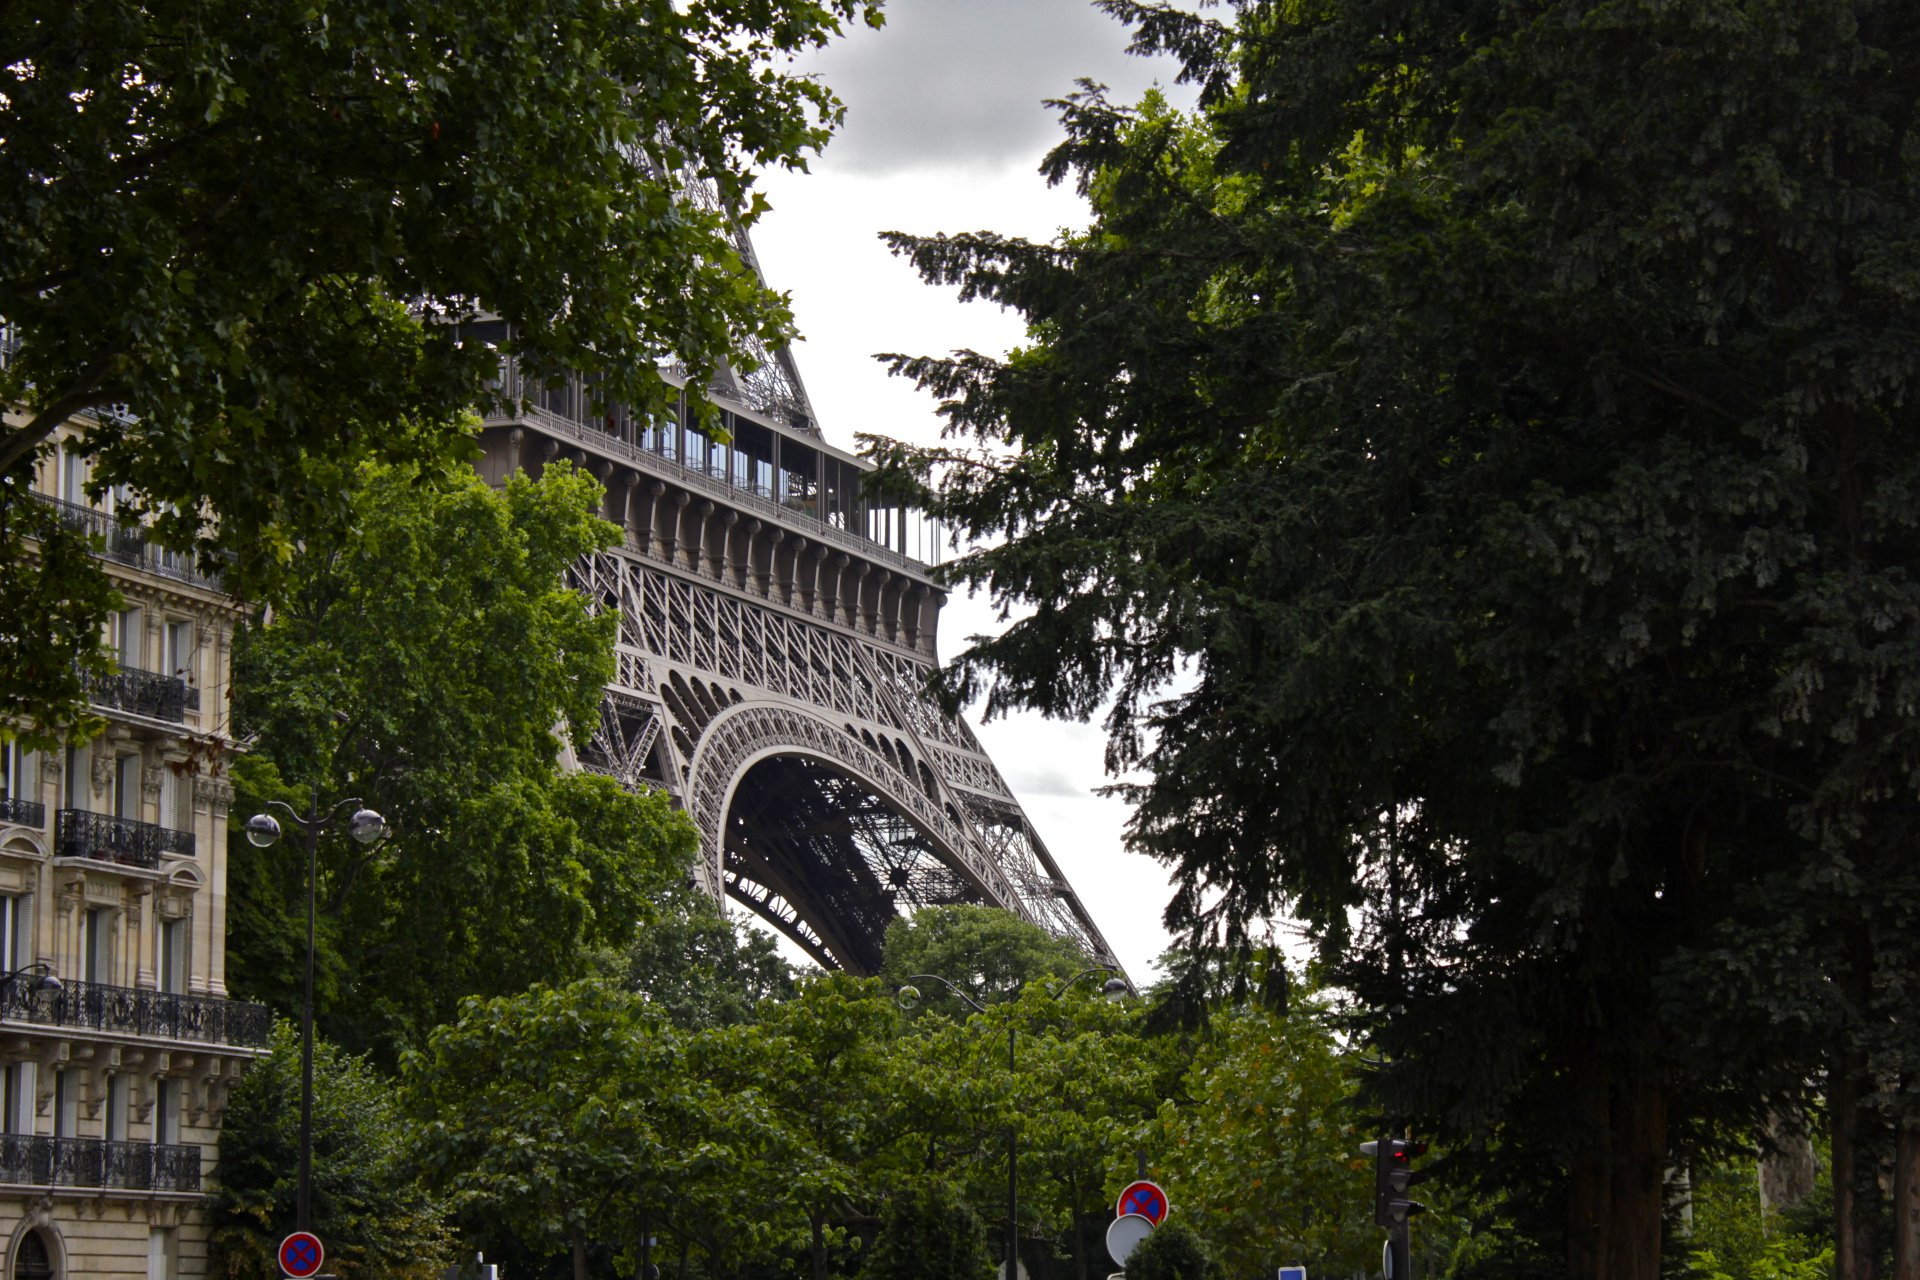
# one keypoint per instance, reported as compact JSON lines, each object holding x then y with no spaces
{"x":118,"y":1044}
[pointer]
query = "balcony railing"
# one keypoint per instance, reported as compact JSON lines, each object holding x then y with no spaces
{"x":32,"y":1160}
{"x":168,"y":1015}
{"x":79,"y":833}
{"x":128,"y":544}
{"x":27,"y":813}
{"x":144,"y":693}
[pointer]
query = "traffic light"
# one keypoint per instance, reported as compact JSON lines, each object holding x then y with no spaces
{"x":1393,"y":1175}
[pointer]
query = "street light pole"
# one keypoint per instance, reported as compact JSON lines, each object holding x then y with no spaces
{"x":1013,"y":1178}
{"x":303,"y":1201}
{"x":1113,"y":989}
{"x":262,"y":830}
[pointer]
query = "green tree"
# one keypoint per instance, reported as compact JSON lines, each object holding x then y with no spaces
{"x":245,"y":239}
{"x":832,"y":1045}
{"x":1172,"y":1252}
{"x":421,"y":664}
{"x":929,"y":1234}
{"x":987,"y":952}
{"x":1079,"y":1095}
{"x":1265,"y":1153}
{"x":1506,"y":416}
{"x":376,"y":1219}
{"x":700,"y":968}
{"x":569,"y":1116}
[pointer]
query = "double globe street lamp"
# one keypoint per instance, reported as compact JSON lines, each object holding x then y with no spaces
{"x":263,"y":830}
{"x":1114,"y":988}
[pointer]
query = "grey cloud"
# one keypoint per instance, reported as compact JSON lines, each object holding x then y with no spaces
{"x":960,"y":83}
{"x":1037,"y":781}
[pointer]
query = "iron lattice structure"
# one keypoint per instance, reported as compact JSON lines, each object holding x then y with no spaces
{"x":775,"y":652}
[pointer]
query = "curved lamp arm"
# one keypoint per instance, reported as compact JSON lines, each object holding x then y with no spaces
{"x":48,"y":980}
{"x":908,"y":997}
{"x":1113,"y":988}
{"x":315,"y":819}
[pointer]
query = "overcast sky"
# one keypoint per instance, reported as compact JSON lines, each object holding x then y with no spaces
{"x":945,"y":130}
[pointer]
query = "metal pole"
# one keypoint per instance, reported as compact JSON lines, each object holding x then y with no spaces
{"x":303,"y":1205}
{"x":1013,"y":1177}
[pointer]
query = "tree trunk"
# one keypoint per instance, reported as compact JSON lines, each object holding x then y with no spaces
{"x":1616,"y":1197}
{"x":1639,"y":1193}
{"x":1787,"y":1170}
{"x":1079,"y":1231}
{"x":1906,"y":1201}
{"x":1850,"y":1260}
{"x":819,"y":1246}
{"x":1590,"y":1187}
{"x":578,"y":1239}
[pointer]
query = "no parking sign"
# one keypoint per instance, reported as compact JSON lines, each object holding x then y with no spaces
{"x":1144,"y":1198}
{"x":301,"y":1255}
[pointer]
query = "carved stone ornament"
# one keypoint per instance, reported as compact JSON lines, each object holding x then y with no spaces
{"x":213,"y":793}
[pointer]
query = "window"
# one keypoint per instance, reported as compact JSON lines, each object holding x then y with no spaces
{"x":33,"y":1262}
{"x":166,"y":1111}
{"x":116,"y":1127}
{"x":129,"y":636}
{"x":73,"y":477}
{"x":179,"y":654}
{"x":126,"y":786}
{"x":16,"y":1103}
{"x":96,"y":942}
{"x":176,"y":801}
{"x":73,"y":783}
{"x":66,"y":1102}
{"x":19,"y":773}
{"x":15,"y":921}
{"x":173,"y":956}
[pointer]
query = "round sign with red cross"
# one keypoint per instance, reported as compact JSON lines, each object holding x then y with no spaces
{"x":301,"y":1255}
{"x":1143,"y":1198}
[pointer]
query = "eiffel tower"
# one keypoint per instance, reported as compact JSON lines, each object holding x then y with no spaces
{"x":777,"y":631}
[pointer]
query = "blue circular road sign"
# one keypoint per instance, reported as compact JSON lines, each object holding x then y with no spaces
{"x":301,"y":1255}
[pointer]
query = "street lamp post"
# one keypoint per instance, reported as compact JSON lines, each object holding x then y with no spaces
{"x":263,"y":830}
{"x":1114,"y":988}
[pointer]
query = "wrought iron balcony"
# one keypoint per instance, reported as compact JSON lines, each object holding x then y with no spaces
{"x":127,"y":543}
{"x":81,"y":834}
{"x":27,"y":813}
{"x":144,"y":693}
{"x":95,"y":1006}
{"x":32,"y":1160}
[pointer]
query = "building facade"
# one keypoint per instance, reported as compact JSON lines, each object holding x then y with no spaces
{"x":118,"y":1043}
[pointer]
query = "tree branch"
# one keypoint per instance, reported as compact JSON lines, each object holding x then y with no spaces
{"x":85,"y":392}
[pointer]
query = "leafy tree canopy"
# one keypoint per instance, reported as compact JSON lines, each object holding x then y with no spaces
{"x":242,"y":238}
{"x":420,"y":663}
{"x":376,"y":1219}
{"x":1506,"y":415}
{"x":985,"y":951}
{"x":699,"y":968}
{"x":1173,"y":1252}
{"x":929,"y":1233}
{"x":576,"y":1114}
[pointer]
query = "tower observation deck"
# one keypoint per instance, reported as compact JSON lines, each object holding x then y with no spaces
{"x":778,"y":628}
